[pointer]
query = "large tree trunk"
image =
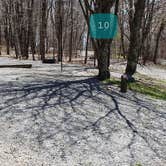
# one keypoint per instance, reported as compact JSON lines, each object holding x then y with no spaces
{"x":135,"y":38}
{"x":132,"y":58}
{"x":103,"y":54}
{"x":101,"y":46}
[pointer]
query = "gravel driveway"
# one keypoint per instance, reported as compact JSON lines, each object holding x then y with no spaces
{"x":49,"y":118}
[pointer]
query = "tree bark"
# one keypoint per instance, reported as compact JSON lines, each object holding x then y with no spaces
{"x":71,"y":32}
{"x":60,"y":30}
{"x":135,"y":38}
{"x":43,"y":29}
{"x":0,"y":39}
{"x":103,"y":53}
{"x":86,"y":51}
{"x":7,"y":38}
{"x":157,"y":42}
{"x":101,"y":46}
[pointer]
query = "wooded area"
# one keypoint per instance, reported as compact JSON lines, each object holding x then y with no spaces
{"x":68,"y":98}
{"x":58,"y":29}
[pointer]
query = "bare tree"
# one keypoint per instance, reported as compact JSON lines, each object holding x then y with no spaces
{"x":43,"y":29}
{"x":161,"y":28}
{"x":101,"y":47}
{"x":137,"y":8}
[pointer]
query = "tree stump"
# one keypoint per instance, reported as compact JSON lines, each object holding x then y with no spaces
{"x":124,"y":81}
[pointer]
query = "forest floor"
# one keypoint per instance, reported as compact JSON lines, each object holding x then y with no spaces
{"x":49,"y":118}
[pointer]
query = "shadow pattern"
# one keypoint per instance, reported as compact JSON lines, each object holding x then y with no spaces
{"x":81,"y":115}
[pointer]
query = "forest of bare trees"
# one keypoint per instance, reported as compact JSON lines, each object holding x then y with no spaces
{"x":38,"y":27}
{"x":60,"y":28}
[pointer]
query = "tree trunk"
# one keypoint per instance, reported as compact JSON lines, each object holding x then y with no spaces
{"x":30,"y":28}
{"x":101,"y":46}
{"x":0,"y":40}
{"x":135,"y":38}
{"x":43,"y":29}
{"x":132,"y":58}
{"x":7,"y":40}
{"x":86,"y":52}
{"x":71,"y":32}
{"x":157,"y":43}
{"x":60,"y":30}
{"x":103,"y":53}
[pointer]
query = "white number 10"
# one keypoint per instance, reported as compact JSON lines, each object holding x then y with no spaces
{"x":104,"y":25}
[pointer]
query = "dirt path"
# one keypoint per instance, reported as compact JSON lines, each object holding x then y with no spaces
{"x":70,"y":119}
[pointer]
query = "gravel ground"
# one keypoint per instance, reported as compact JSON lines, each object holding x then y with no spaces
{"x":49,"y":118}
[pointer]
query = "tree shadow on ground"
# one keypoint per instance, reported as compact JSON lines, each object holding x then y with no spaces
{"x":67,"y":111}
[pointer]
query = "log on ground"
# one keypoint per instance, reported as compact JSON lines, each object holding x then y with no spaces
{"x":17,"y":66}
